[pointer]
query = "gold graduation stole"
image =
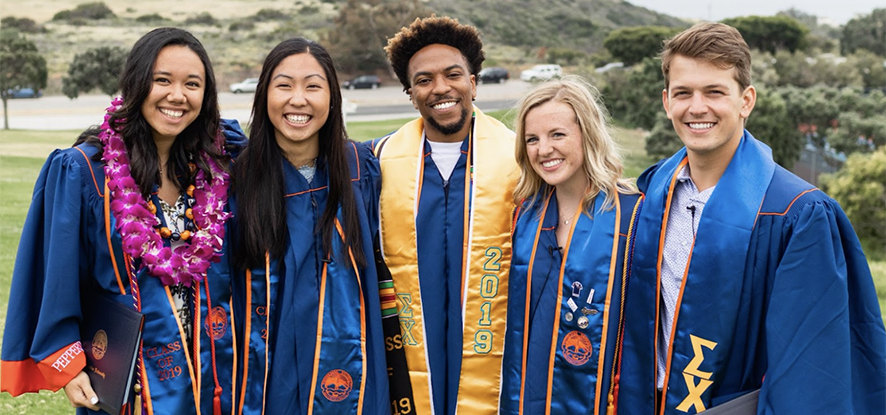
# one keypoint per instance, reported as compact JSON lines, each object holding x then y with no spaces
{"x":486,"y":256}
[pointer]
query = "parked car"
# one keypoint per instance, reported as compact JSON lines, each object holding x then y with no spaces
{"x":362,"y":81}
{"x":541,"y":73}
{"x":26,"y":92}
{"x":494,"y":74}
{"x":248,"y":85}
{"x":610,"y":66}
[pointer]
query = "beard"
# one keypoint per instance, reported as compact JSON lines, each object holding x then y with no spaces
{"x":450,"y":129}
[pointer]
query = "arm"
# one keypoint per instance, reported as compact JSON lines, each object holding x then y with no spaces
{"x":41,"y":347}
{"x":825,"y":353}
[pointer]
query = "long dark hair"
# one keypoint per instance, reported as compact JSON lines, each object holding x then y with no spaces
{"x":261,"y":208}
{"x":136,"y":81}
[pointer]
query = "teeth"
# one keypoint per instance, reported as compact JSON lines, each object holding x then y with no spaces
{"x":171,"y":113}
{"x":443,"y":105}
{"x":298,"y":119}
{"x":701,"y":125}
{"x":552,"y":163}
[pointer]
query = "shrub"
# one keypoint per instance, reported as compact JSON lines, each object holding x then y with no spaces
{"x":23,"y":24}
{"x":860,"y":187}
{"x":149,"y":18}
{"x":201,"y":19}
{"x":265,"y":15}
{"x":86,"y":11}
{"x":241,"y":25}
{"x":308,"y":10}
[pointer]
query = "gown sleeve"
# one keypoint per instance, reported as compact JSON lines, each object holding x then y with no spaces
{"x":41,"y":341}
{"x":826,"y":345}
{"x":376,"y":398}
{"x":370,"y":183}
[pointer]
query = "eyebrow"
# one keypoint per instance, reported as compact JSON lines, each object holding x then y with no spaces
{"x":313,"y":75}
{"x":193,"y":75}
{"x":711,"y":86}
{"x":446,"y":69}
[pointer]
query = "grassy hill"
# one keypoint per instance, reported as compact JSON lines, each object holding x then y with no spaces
{"x":239,"y":33}
{"x":574,"y":24}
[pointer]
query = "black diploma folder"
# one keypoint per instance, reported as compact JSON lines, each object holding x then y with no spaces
{"x":743,"y":405}
{"x":110,"y":334}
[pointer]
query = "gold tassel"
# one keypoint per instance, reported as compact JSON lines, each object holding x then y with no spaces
{"x":137,"y":410}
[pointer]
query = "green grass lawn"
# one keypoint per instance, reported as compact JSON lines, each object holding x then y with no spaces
{"x":22,"y":153}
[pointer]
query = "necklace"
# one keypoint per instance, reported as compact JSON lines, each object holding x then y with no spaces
{"x":136,"y":222}
{"x":566,"y":220}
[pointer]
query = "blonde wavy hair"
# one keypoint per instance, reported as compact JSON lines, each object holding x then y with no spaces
{"x":602,"y":160}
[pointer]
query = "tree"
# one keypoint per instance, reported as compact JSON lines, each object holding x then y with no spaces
{"x":871,"y":67}
{"x":767,"y":123}
{"x":860,"y":187}
{"x":770,"y":33}
{"x":361,"y":29}
{"x":865,"y":32}
{"x":633,"y":44}
{"x":21,"y":65}
{"x":662,"y":141}
{"x":96,"y":68}
{"x":636,"y":100}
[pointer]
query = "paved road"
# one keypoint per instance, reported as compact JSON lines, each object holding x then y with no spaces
{"x":387,"y":102}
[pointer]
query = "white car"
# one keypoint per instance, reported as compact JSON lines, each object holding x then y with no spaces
{"x":541,"y":73}
{"x":248,"y":85}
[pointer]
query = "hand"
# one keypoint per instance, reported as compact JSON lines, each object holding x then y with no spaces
{"x":80,"y":393}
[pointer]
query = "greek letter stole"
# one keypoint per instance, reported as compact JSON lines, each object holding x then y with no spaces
{"x":706,"y":321}
{"x":576,"y":315}
{"x":486,"y":258}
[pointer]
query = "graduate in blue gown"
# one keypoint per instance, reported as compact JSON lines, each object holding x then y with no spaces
{"x":571,"y":235}
{"x":306,"y":201}
{"x":445,"y":211}
{"x":161,"y":142}
{"x":745,"y":276}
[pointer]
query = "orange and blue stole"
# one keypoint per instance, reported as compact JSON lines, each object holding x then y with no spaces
{"x":715,"y":272}
{"x":565,"y":307}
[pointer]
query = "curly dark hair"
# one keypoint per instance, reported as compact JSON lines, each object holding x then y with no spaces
{"x":429,"y":31}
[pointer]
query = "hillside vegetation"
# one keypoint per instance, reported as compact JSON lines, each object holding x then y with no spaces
{"x":239,"y":33}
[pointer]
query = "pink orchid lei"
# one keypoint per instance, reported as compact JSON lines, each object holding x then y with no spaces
{"x":136,"y":223}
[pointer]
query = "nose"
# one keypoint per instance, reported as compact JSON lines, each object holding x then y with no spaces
{"x":297,"y":98}
{"x":441,"y":87}
{"x":175,"y":94}
{"x":544,"y":147}
{"x":697,"y":105}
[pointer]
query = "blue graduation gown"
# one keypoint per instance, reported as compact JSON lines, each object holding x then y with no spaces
{"x":595,"y":258}
{"x":64,"y":254}
{"x":778,"y":296}
{"x":439,"y":241}
{"x":284,"y":304}
{"x":440,"y":237}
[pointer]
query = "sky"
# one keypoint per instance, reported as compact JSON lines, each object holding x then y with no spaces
{"x":836,"y":12}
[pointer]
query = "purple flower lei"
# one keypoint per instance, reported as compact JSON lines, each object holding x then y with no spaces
{"x":135,"y":222}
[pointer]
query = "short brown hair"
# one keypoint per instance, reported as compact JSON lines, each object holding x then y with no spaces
{"x":715,"y":43}
{"x":429,"y":31}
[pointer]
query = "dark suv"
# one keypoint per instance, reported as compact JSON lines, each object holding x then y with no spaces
{"x":362,"y":81}
{"x":494,"y":74}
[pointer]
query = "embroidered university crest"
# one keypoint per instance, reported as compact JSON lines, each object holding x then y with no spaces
{"x":336,"y":385}
{"x":216,"y":323}
{"x":576,"y":348}
{"x":99,"y":345}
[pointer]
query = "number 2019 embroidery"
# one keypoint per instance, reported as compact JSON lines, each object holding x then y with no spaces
{"x":488,"y":290}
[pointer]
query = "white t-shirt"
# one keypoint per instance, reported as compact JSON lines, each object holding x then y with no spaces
{"x":445,"y":155}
